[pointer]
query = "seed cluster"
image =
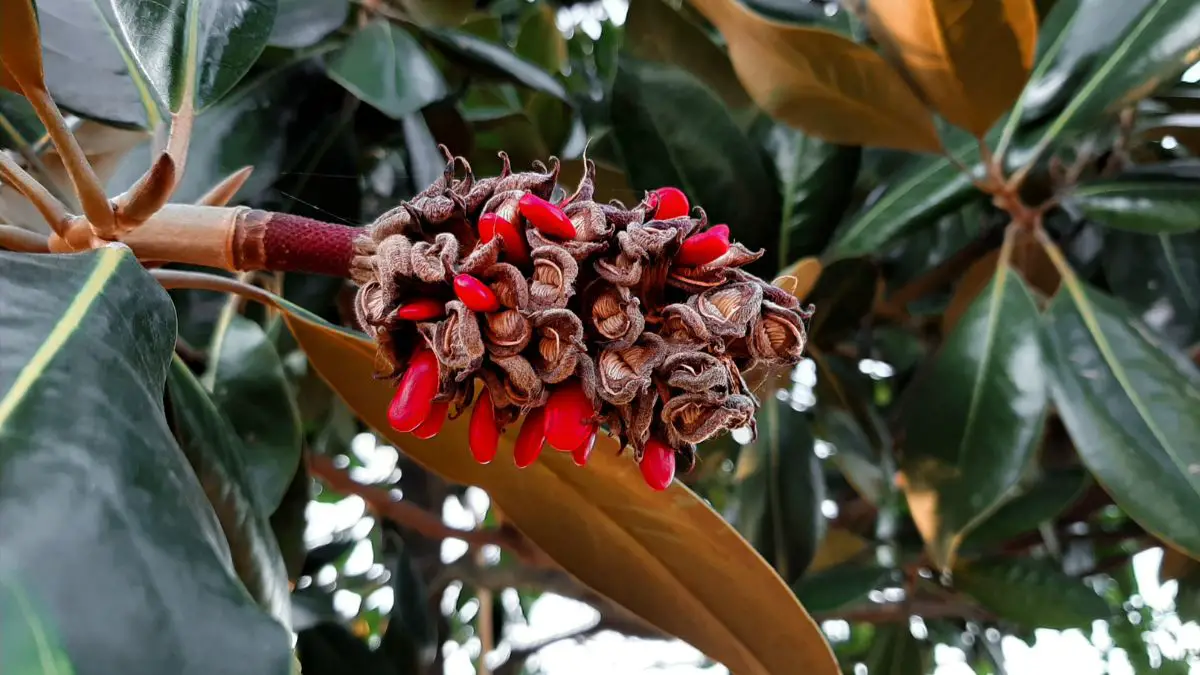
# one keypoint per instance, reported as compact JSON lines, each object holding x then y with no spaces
{"x":574,"y":315}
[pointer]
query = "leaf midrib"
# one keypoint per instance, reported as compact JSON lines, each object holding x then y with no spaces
{"x":106,"y":265}
{"x":1089,"y":319}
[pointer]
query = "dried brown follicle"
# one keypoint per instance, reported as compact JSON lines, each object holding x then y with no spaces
{"x":658,"y":341}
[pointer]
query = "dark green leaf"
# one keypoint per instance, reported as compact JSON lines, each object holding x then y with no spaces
{"x":1042,"y":502}
{"x":248,"y":384}
{"x":854,"y":454}
{"x":29,"y":643}
{"x":1157,"y":46}
{"x":976,"y":416}
{"x":385,"y":67}
{"x":894,"y":651}
{"x":312,"y":606}
{"x":1132,"y":407}
{"x":817,"y":182}
{"x":539,"y":40}
{"x":107,"y":502}
{"x":1143,"y":205}
{"x":655,"y":31}
{"x":1159,"y":276}
{"x":330,"y":649}
{"x":496,"y":60}
{"x":659,"y":112}
{"x":247,"y":128}
{"x":326,"y":554}
{"x":216,"y":455}
{"x":304,"y":23}
{"x":1074,"y":36}
{"x":194,"y":51}
{"x":19,"y":125}
{"x":90,"y":68}
{"x":928,"y":187}
{"x":844,"y":294}
{"x":410,"y":640}
{"x":289,"y":522}
{"x":838,"y":587}
{"x":1031,"y":593}
{"x":780,"y":490}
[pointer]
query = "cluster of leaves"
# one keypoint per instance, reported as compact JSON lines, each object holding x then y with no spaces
{"x":987,"y":430}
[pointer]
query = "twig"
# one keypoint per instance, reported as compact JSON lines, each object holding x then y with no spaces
{"x":404,"y":513}
{"x":51,"y":209}
{"x":23,"y":241}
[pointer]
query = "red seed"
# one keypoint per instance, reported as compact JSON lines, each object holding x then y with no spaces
{"x":581,"y":454}
{"x":516,"y":250}
{"x":703,"y":248}
{"x":672,"y":203}
{"x":658,"y":464}
{"x":414,"y":397}
{"x":531,"y":439}
{"x":423,"y":309}
{"x":433,"y":422}
{"x":475,"y":294}
{"x":487,"y":226}
{"x":483,"y":434}
{"x":568,"y":416}
{"x":546,"y":217}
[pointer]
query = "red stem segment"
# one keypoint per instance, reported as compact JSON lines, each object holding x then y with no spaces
{"x":282,"y":242}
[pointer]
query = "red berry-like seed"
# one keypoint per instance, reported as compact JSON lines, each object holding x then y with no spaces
{"x":658,"y":464}
{"x":531,"y":439}
{"x":423,"y":309}
{"x":580,"y":455}
{"x":568,"y":416}
{"x":703,"y":248}
{"x":483,"y":434}
{"x":475,"y":294}
{"x":414,"y":397}
{"x":514,"y":245}
{"x":487,"y":226}
{"x":721,"y":231}
{"x":546,"y":217}
{"x":433,"y":422}
{"x":672,"y":203}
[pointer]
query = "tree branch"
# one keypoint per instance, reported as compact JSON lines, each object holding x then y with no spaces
{"x":404,"y":513}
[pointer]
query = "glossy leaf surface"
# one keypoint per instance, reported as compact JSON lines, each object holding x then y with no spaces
{"x":780,"y":490}
{"x":385,"y":67}
{"x":194,"y":51}
{"x":976,"y":417}
{"x":76,"y":497}
{"x":220,"y":459}
{"x":1132,"y":408}
{"x":969,"y":59}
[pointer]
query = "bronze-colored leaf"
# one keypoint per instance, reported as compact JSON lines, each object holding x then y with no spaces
{"x":821,"y":82}
{"x":969,"y":59}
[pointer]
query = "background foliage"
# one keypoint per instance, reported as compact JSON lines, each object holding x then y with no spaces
{"x":977,"y":446}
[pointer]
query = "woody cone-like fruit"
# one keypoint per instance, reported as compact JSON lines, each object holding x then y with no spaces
{"x":569,"y":315}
